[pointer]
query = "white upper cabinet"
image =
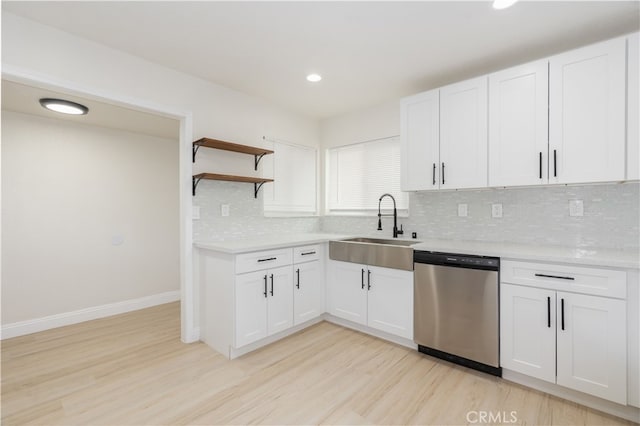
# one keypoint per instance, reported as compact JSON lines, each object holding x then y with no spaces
{"x":587,"y":114}
{"x":420,"y":138}
{"x":294,"y":171}
{"x":463,"y":134}
{"x":633,"y":112}
{"x":518,"y":138}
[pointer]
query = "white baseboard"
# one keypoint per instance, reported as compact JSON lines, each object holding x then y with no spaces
{"x":67,"y":318}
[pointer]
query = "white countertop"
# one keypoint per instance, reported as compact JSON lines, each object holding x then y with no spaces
{"x":267,"y":242}
{"x":584,"y":256}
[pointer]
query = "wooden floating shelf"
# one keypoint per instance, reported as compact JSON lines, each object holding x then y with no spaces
{"x":229,"y":146}
{"x":256,"y":181}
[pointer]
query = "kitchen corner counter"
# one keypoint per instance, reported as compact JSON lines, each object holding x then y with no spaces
{"x":266,"y":242}
{"x":581,"y":256}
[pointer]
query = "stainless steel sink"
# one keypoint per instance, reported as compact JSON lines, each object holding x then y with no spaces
{"x":396,"y":254}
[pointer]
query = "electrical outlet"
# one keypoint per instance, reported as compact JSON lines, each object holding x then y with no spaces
{"x":496,"y":210}
{"x":195,"y":212}
{"x":224,"y":209}
{"x":462,"y":210}
{"x":576,"y":208}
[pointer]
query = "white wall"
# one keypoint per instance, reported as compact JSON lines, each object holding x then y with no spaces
{"x":37,"y":52}
{"x":70,"y":192}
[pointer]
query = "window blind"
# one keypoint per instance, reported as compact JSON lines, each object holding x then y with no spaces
{"x":359,"y":174}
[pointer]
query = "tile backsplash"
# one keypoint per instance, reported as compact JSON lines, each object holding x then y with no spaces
{"x":529,"y":216}
{"x":245,"y":220}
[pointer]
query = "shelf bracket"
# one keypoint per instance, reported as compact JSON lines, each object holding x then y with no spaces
{"x":195,"y":149}
{"x":194,"y":184}
{"x":256,"y":188}
{"x":257,"y":158}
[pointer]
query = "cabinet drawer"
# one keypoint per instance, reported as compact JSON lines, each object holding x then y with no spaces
{"x":306,"y":253}
{"x":249,"y":262}
{"x":576,"y":279}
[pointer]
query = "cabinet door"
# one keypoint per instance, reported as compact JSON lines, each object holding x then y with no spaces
{"x":528,"y":331}
{"x":347,"y":291}
{"x":419,"y":136}
{"x":633,"y":111}
{"x":251,"y":307}
{"x":518,"y":122}
{"x":280,"y":300}
{"x":463,"y":134}
{"x":587,"y":114}
{"x":592,"y":345}
{"x":307,"y":292}
{"x":390,"y":301}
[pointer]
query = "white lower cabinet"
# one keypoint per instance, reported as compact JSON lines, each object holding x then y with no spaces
{"x":307,"y":292}
{"x":381,"y":298}
{"x":574,"y":340}
{"x":264,"y":304}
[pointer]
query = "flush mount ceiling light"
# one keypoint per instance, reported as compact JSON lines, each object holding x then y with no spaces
{"x":503,"y":4}
{"x":314,"y":78}
{"x":65,"y":107}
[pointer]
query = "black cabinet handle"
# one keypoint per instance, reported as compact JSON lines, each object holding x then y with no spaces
{"x":443,"y":173}
{"x":307,"y":253}
{"x":362,"y":279}
{"x":555,"y":164}
{"x":265,"y":286}
{"x":540,"y":165}
{"x":298,"y":273}
{"x":562,"y":312}
{"x":368,"y":280}
{"x":272,"y":284}
{"x":434,"y":173}
{"x":549,"y":312}
{"x":559,"y":277}
{"x":268,"y":259}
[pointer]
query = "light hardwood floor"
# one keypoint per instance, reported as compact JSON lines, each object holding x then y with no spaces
{"x":133,"y":369}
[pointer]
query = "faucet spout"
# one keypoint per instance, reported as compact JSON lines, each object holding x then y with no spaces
{"x":396,"y":232}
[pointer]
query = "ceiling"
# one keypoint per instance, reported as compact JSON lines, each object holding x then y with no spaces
{"x":367,"y":52}
{"x":25,"y":99}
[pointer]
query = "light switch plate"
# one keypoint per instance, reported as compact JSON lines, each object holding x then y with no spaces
{"x":462,"y":210}
{"x":576,"y":208}
{"x":496,"y":210}
{"x":224,"y":210}
{"x":195,"y":212}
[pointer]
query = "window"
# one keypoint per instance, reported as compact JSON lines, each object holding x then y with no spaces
{"x":294,"y":171}
{"x":357,"y":175}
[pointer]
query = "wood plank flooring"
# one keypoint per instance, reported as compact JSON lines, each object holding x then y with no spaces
{"x":132,"y":369}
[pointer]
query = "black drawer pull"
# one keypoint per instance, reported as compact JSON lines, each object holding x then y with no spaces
{"x":555,"y":276}
{"x":368,"y":280}
{"x":555,"y":164}
{"x":268,"y":259}
{"x":307,"y":253}
{"x":443,"y":173}
{"x":434,"y":173}
{"x":549,"y":312}
{"x":298,"y":274}
{"x":562,"y":310}
{"x":272,"y":284}
{"x":362,"y":279}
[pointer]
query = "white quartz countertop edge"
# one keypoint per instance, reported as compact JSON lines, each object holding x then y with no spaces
{"x":575,"y":255}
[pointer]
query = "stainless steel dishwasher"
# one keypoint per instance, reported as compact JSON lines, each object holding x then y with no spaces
{"x":456,"y":303}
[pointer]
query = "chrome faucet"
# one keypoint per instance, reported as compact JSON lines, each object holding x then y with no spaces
{"x":396,"y":232}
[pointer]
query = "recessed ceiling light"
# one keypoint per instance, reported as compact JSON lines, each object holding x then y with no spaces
{"x":314,"y":78}
{"x":503,"y":4}
{"x":65,"y":107}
